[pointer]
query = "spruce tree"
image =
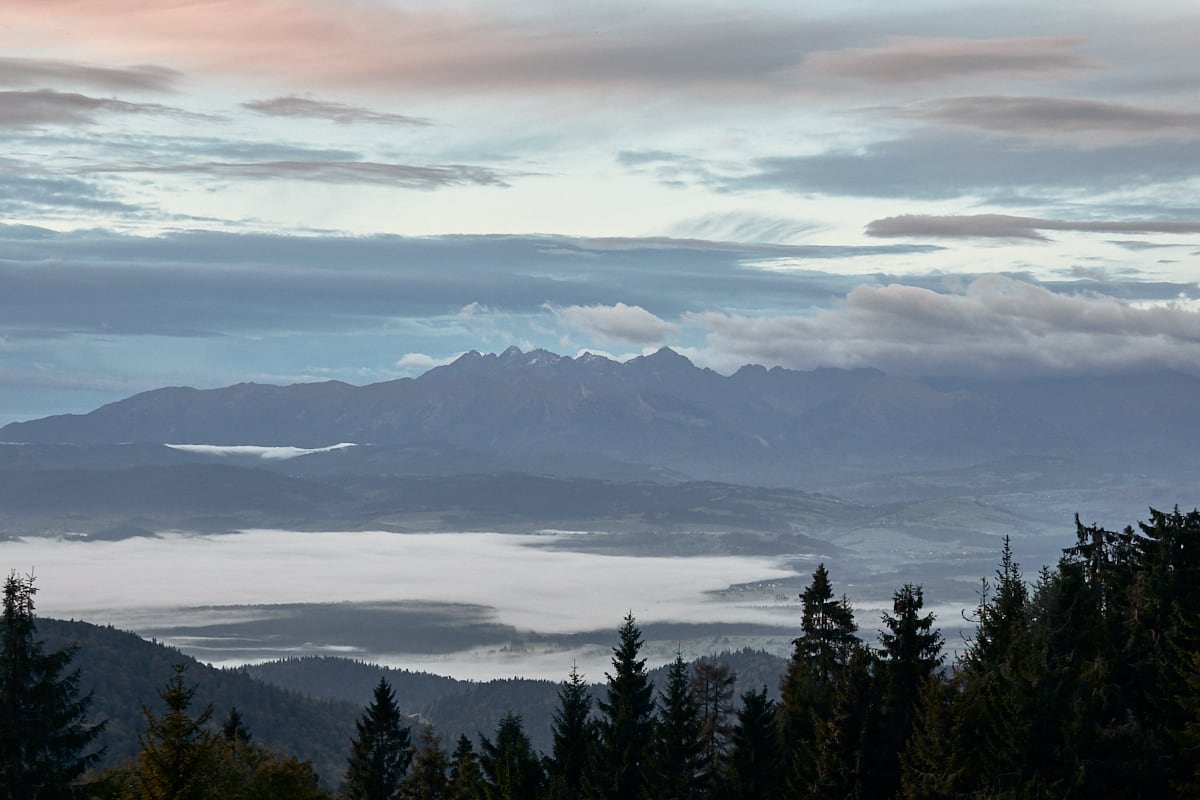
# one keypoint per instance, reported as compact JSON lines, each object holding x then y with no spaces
{"x":466,"y":777}
{"x":180,"y":758}
{"x":754,"y":763}
{"x":381,"y":750}
{"x":820,"y":653}
{"x":848,"y":747}
{"x":44,"y":738}
{"x":982,"y":742}
{"x":910,"y":656}
{"x":626,"y":724}
{"x":233,"y":728}
{"x":427,"y":774}
{"x":678,"y":748}
{"x":511,"y":768}
{"x":574,"y":739}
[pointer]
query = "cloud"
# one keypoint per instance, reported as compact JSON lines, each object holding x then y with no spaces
{"x":917,"y":60}
{"x":432,"y":48}
{"x":632,"y":324}
{"x":204,"y":281}
{"x":742,"y":226}
{"x":1002,"y":226}
{"x":40,"y":72}
{"x":419,"y":362}
{"x":997,"y":326}
{"x":1057,"y":117}
{"x":934,"y":165}
{"x":27,"y":189}
{"x":404,"y":176}
{"x":29,"y":109}
{"x":295,"y":106}
{"x":265,"y":453}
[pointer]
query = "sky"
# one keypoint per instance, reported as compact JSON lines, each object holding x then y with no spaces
{"x":206,"y":192}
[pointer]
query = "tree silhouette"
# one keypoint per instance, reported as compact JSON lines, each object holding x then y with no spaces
{"x":574,"y":738}
{"x":679,"y":751}
{"x":511,"y":768}
{"x":43,"y":734}
{"x":179,"y":755}
{"x":381,"y":750}
{"x":626,"y":724}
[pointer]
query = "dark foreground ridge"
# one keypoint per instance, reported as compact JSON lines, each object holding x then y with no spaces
{"x":1085,"y":683}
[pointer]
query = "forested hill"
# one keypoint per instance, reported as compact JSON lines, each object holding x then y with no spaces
{"x":124,"y":671}
{"x":475,"y":708}
{"x":307,"y":706}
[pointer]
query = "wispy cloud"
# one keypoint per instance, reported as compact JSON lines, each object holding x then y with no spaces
{"x":39,"y":72}
{"x":632,"y":324}
{"x":406,"y":176}
{"x":935,"y":165}
{"x":920,"y":59}
{"x":295,"y":106}
{"x":1060,"y":117}
{"x":1002,"y":226}
{"x":428,"y":48}
{"x":30,"y":109}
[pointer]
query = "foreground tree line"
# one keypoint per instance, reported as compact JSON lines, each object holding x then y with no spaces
{"x":1082,"y":683}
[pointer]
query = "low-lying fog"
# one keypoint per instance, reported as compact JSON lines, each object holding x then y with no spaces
{"x":470,"y":605}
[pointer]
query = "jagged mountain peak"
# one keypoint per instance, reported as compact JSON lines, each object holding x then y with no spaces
{"x":658,"y":410}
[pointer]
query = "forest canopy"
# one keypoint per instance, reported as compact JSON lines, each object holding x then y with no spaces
{"x":1082,"y":680}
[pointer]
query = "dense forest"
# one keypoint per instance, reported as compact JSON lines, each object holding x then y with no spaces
{"x":1080,"y":681}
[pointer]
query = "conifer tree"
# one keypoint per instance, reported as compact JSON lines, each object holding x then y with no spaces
{"x":179,"y":757}
{"x":678,"y":748}
{"x":574,"y":739}
{"x":511,"y":768}
{"x":626,"y":724}
{"x":466,"y":777}
{"x":820,"y":654}
{"x":44,"y":737}
{"x":233,"y":728}
{"x":981,"y":742}
{"x":381,"y":750}
{"x":910,"y":656}
{"x":426,"y":778}
{"x":848,"y":747}
{"x":754,"y":765}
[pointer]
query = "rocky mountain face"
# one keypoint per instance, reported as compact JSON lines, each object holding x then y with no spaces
{"x":660,"y":413}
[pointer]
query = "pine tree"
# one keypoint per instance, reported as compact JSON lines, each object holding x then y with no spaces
{"x":466,"y":778}
{"x":233,"y":728}
{"x":179,"y":757}
{"x":848,"y":745}
{"x":427,"y":774}
{"x":511,"y":768}
{"x":910,"y":656}
{"x":820,"y":653}
{"x":754,"y":764}
{"x":981,"y":742}
{"x":381,"y":750}
{"x":44,"y":738}
{"x":678,"y":749}
{"x":574,"y":738}
{"x":626,"y":724}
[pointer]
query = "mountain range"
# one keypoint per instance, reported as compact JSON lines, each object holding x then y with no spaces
{"x":655,"y":417}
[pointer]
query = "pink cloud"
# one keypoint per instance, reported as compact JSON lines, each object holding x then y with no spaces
{"x":372,"y":43}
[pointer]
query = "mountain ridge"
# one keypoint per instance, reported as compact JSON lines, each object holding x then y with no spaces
{"x":660,"y":411}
